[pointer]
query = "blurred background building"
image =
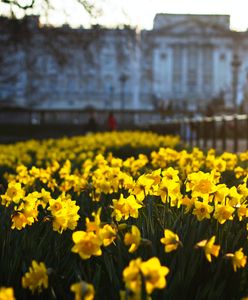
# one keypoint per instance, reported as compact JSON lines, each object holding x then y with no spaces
{"x":186,"y":62}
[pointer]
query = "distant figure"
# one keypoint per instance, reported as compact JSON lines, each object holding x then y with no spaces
{"x":170,"y":107}
{"x":209,"y":111}
{"x":92,"y":124}
{"x":244,"y":107}
{"x":112,"y":123}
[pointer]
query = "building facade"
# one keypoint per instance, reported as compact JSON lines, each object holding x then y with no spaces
{"x":185,"y":61}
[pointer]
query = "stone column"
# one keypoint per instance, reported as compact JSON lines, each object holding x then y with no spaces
{"x":170,"y":70}
{"x":137,"y":71}
{"x":216,"y":79}
{"x":184,"y":69}
{"x":200,"y":70}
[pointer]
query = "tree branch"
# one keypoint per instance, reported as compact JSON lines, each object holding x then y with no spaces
{"x":16,"y":3}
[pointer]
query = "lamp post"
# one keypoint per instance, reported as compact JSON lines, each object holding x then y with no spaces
{"x":235,"y":68}
{"x":123,"y":79}
{"x":111,"y":93}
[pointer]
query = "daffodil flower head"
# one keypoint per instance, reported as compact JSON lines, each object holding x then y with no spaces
{"x":132,"y":239}
{"x":107,"y":234}
{"x":132,"y":275}
{"x":223,"y":213}
{"x":209,"y":248}
{"x":36,"y":278}
{"x":154,"y":274}
{"x":202,"y":210}
{"x":83,"y":290}
{"x":7,"y":293}
{"x":238,"y":259}
{"x":125,"y":208}
{"x":86,"y":244}
{"x":170,"y":240}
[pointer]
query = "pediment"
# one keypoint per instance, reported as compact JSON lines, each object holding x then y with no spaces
{"x":189,"y":27}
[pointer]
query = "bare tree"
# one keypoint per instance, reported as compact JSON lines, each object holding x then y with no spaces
{"x":92,"y":7}
{"x":22,"y":47}
{"x":26,"y":47}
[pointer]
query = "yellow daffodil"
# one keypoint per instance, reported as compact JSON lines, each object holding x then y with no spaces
{"x":7,"y":293}
{"x":137,"y":164}
{"x":132,"y":239}
{"x":142,"y":187}
{"x":188,"y":203}
{"x":108,"y":234}
{"x":221,"y":193}
{"x":233,"y":198}
{"x":132,"y":275}
{"x":95,"y":224}
{"x":169,"y":190}
{"x":239,"y":172}
{"x":125,"y":208}
{"x":86,"y":244}
{"x":201,"y":184}
{"x":230,"y":159}
{"x":153,"y":274}
{"x":222,"y":213}
{"x":242,"y":211}
{"x":19,"y":220}
{"x":209,"y":248}
{"x":171,"y":174}
{"x":64,"y":212}
{"x":14,"y":193}
{"x":219,"y":164}
{"x":129,"y":295}
{"x":202,"y":210}
{"x":36,"y":278}
{"x":66,"y":169}
{"x":83,"y":291}
{"x":170,"y":240}
{"x":238,"y":259}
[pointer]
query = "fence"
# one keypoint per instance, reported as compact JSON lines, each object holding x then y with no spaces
{"x":227,"y":132}
{"x":22,"y":124}
{"x":73,"y":116}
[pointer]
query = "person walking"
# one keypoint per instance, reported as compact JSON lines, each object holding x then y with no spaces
{"x":111,"y":122}
{"x":92,"y":125}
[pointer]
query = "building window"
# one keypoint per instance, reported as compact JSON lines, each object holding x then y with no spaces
{"x":107,"y":59}
{"x":177,"y":69}
{"x":163,"y":55}
{"x":222,"y":56}
{"x":51,"y":65}
{"x":192,"y":68}
{"x":207,"y":68}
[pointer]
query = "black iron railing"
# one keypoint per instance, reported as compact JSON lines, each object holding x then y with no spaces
{"x":226,"y":132}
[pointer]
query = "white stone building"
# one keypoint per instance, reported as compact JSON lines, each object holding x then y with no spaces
{"x":185,"y":60}
{"x":193,"y":59}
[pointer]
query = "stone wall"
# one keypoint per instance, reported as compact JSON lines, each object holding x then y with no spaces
{"x":186,"y":61}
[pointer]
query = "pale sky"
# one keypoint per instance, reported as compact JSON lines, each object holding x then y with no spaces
{"x":141,"y":12}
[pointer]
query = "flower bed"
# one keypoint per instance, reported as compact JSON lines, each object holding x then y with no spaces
{"x":81,"y":218}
